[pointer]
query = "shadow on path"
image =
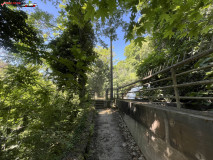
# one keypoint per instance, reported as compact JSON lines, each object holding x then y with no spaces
{"x":108,"y":138}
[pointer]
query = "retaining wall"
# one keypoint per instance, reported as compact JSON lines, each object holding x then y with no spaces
{"x":168,"y":133}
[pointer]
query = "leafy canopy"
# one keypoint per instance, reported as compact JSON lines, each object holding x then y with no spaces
{"x":168,"y":16}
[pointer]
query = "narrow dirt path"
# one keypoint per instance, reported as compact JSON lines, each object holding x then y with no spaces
{"x":109,"y":140}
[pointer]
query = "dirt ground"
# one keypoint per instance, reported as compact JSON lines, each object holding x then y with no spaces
{"x":112,"y":140}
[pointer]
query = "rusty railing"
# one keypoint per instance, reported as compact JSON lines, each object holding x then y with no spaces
{"x":148,"y":81}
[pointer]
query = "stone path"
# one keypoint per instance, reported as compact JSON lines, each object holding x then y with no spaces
{"x":109,"y":139}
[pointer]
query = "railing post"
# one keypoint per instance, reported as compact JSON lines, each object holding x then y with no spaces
{"x":174,"y":80}
{"x":107,"y":94}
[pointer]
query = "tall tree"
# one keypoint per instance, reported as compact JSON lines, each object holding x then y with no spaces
{"x":73,"y":52}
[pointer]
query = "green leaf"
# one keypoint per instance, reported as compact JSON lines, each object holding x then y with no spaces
{"x":168,"y":33}
{"x":207,"y":29}
{"x":139,"y":40}
{"x":165,"y":17}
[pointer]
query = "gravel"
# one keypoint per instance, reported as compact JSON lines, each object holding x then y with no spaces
{"x":130,"y":143}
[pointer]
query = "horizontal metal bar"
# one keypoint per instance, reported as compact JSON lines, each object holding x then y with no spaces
{"x":168,"y":78}
{"x":134,"y":92}
{"x":129,"y":84}
{"x":195,"y":83}
{"x":181,"y":97}
{"x":204,"y":98}
{"x":165,"y":87}
{"x":192,"y":70}
{"x":195,"y":57}
{"x":159,"y":97}
{"x":183,"y":73}
{"x":181,"y":85}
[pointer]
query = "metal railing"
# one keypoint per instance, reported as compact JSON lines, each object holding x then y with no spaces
{"x":173,"y":68}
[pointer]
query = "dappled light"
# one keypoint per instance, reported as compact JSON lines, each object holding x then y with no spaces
{"x":199,"y":156}
{"x":168,"y":153}
{"x":153,"y":138}
{"x":155,"y":125}
{"x":105,"y":112}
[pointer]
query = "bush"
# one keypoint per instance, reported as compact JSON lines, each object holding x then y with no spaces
{"x":37,"y":121}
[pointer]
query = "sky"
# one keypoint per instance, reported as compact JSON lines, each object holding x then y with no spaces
{"x":118,"y":46}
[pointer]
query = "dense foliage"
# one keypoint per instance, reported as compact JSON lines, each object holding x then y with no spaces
{"x":37,"y":120}
{"x":169,"y":16}
{"x":44,"y":109}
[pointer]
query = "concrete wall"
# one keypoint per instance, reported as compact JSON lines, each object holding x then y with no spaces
{"x":166,"y":133}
